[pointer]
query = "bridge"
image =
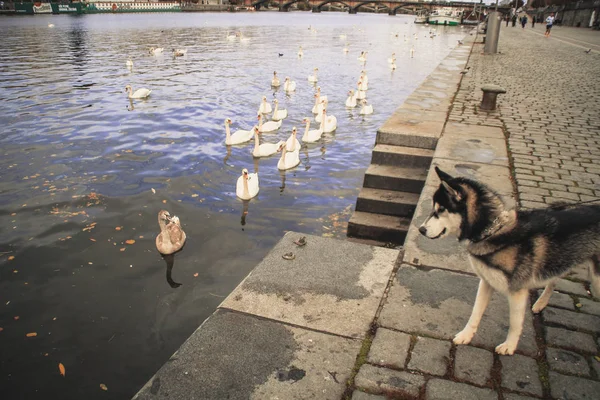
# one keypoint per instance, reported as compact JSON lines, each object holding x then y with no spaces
{"x":352,"y":6}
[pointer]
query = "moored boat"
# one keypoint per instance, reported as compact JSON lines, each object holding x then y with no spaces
{"x":445,"y":16}
{"x":421,"y":17}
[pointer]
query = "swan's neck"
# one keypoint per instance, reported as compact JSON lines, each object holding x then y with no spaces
{"x":246,"y":191}
{"x":283,"y":151}
{"x":162,"y":224}
{"x":227,"y":132}
{"x":259,"y":124}
{"x":307,"y":128}
{"x":276,"y":108}
{"x":256,"y":144}
{"x":323,"y":121}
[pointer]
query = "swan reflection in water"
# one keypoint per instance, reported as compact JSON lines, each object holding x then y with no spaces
{"x":130,"y":107}
{"x":227,"y":155}
{"x":170,"y":260}
{"x":246,"y":203}
{"x":282,"y":187}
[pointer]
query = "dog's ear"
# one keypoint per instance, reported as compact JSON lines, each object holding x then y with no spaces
{"x":444,"y":177}
{"x":454,"y":194}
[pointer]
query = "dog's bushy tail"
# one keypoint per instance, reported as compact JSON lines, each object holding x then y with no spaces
{"x":595,"y":276}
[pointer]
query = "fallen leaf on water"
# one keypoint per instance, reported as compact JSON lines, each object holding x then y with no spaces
{"x":118,"y":228}
{"x":153,"y":191}
{"x":195,"y":275}
{"x":90,"y":263}
{"x":10,"y":258}
{"x":61,"y":368}
{"x":122,"y":249}
{"x":130,"y":241}
{"x":141,"y":236}
{"x":16,"y":317}
{"x":164,"y":201}
{"x":92,"y":239}
{"x":103,"y":386}
{"x":194,"y":195}
{"x":31,"y":334}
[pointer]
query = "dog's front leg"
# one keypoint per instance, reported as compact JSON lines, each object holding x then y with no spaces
{"x":517,"y":303}
{"x":484,"y":293}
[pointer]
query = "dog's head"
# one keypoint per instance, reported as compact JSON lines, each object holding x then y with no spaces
{"x":448,"y":209}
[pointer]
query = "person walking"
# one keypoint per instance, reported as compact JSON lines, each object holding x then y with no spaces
{"x":514,"y":20}
{"x":549,"y":22}
{"x":533,"y":21}
{"x":524,"y":21}
{"x":507,"y":20}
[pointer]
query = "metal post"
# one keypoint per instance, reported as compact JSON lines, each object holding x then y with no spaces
{"x":492,"y":33}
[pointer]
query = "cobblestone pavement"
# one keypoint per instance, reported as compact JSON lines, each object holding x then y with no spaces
{"x":550,"y":116}
{"x":550,"y":113}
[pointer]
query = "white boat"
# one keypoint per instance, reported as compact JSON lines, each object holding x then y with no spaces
{"x":421,"y":17}
{"x":445,"y":16}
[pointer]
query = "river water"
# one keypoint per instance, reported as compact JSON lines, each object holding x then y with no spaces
{"x":84,"y":172}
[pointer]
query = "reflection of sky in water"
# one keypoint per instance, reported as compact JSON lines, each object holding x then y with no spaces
{"x":68,"y":130}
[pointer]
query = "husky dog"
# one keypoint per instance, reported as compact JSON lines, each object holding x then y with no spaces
{"x":513,"y":251}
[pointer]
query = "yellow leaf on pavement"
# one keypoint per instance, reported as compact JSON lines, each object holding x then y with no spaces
{"x":10,"y":258}
{"x":31,"y":334}
{"x":130,"y":241}
{"x":61,"y":369}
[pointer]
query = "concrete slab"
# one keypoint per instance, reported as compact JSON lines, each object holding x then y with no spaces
{"x":473,"y":131}
{"x":472,"y":149}
{"x":410,"y":133}
{"x":389,"y":382}
{"x":332,"y":285}
{"x":413,"y":116}
{"x":236,"y":356}
{"x":413,"y":307}
{"x":448,"y":252}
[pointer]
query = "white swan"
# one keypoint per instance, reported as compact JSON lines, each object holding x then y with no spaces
{"x":50,"y":25}
{"x":231,"y":36}
{"x":328,"y":124}
{"x":179,"y":52}
{"x":321,"y":98}
{"x":366,"y":109}
{"x":243,"y":38}
{"x":319,"y":117}
{"x":292,"y":144}
{"x":247,"y":185}
{"x":392,"y":58}
{"x":288,"y":159}
{"x":313,"y":78}
{"x":362,"y":85}
{"x":138,"y":94}
{"x":345,"y":49}
{"x":156,"y":50}
{"x":393,"y":64}
{"x":265,"y":149}
{"x":289,"y":85}
{"x":351,"y":100}
{"x":318,"y":107}
{"x":239,"y":136}
{"x":265,"y":108}
{"x":363,"y":57}
{"x":275,"y":81}
{"x":361,"y":94}
{"x":129,"y":63}
{"x":267,"y":126}
{"x":278,"y":114}
{"x":310,"y":136}
{"x":412,"y":52}
{"x":364,"y":77}
{"x":300,"y":52}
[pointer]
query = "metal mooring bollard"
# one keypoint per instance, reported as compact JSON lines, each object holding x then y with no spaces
{"x":490,"y":92}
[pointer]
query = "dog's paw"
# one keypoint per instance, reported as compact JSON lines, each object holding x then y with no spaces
{"x":506,"y":349}
{"x":464,"y":336}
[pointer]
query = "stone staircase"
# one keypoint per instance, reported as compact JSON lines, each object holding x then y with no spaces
{"x":392,"y":184}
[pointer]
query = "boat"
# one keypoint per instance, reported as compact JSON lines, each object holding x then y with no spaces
{"x":421,"y":17}
{"x":445,"y":16}
{"x":125,"y":6}
{"x":97,"y":7}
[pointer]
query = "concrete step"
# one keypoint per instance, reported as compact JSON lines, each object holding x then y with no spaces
{"x":388,"y":202}
{"x":407,"y":139}
{"x":383,"y":228}
{"x":391,"y":177}
{"x":401,"y":156}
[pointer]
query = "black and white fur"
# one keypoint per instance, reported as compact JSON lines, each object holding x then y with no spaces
{"x":513,"y":251}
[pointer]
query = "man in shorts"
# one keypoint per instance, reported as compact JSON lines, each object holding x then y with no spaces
{"x":549,"y":22}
